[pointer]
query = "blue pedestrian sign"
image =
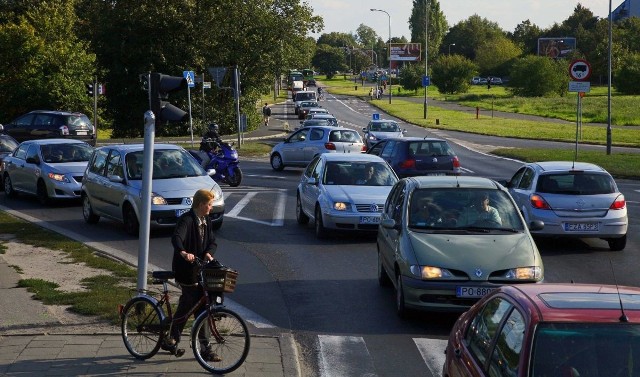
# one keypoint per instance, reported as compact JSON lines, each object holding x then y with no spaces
{"x":426,"y":80}
{"x":191,"y":82}
{"x":375,"y":116}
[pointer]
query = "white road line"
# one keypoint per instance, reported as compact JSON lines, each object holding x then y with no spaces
{"x":265,"y":176}
{"x":241,"y":204}
{"x":344,"y":356}
{"x":278,"y":210}
{"x":432,"y":351}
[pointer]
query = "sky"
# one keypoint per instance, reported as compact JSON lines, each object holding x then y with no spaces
{"x":346,"y":15}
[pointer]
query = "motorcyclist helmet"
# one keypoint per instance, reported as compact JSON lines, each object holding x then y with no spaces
{"x":213,"y":127}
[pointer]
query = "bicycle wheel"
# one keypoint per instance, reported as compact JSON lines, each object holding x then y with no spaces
{"x":233,"y":347}
{"x":141,"y":327}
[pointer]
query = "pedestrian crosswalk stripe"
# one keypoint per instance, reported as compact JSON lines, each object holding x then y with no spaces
{"x":432,"y":352}
{"x":343,"y":356}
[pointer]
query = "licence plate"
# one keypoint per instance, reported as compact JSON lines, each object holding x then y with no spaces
{"x":81,"y":133}
{"x":472,"y":292}
{"x":581,"y":227}
{"x":369,"y":219}
{"x":180,"y":212}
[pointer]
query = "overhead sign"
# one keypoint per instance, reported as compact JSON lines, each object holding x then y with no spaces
{"x":579,"y":69}
{"x":579,"y":86}
{"x":406,"y":52}
{"x":189,"y":75}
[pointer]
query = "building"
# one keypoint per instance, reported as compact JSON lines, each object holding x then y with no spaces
{"x":628,"y":8}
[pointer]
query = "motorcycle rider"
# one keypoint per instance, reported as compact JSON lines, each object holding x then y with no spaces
{"x":214,"y":136}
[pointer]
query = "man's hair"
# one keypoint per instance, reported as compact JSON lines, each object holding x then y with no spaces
{"x":202,"y":196}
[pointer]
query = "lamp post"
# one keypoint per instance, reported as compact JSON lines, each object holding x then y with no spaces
{"x":609,"y":86}
{"x":426,"y":52}
{"x":451,"y":44}
{"x":389,"y":74}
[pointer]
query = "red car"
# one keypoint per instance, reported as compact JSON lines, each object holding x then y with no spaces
{"x":548,"y":330}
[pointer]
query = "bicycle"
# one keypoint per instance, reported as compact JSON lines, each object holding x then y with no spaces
{"x":146,"y":328}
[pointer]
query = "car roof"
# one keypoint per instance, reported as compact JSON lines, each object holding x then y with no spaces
{"x":53,"y":141}
{"x":412,"y":138}
{"x":331,"y":128}
{"x":566,"y":166}
{"x":138,"y":147}
{"x":383,"y":121}
{"x":323,"y":116}
{"x":567,"y":302}
{"x":451,"y":181}
{"x":56,"y":112}
{"x":351,"y":157}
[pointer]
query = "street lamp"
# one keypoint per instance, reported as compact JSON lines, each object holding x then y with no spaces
{"x":388,"y":15}
{"x":609,"y":86}
{"x":426,"y":53}
{"x":451,"y":44}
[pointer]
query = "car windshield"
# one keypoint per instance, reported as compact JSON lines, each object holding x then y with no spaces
{"x":385,"y":127}
{"x":61,"y":153}
{"x":315,"y":122}
{"x":345,"y":136}
{"x":463,"y":209}
{"x":7,"y":144}
{"x":358,"y":173}
{"x":576,"y":183}
{"x":167,"y":164}
{"x":586,"y":349}
{"x":430,"y":148}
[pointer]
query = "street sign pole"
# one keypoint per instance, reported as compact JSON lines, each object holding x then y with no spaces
{"x":189,"y":75}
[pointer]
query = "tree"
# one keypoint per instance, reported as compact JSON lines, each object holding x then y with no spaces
{"x":495,"y":56}
{"x":627,"y":74}
{"x":43,"y":65}
{"x":539,"y":76}
{"x":336,"y":39}
{"x":366,"y":36}
{"x":329,"y":59}
{"x":438,"y":25}
{"x":526,"y":36}
{"x":452,"y":73}
{"x":471,"y":33}
{"x":411,"y":76}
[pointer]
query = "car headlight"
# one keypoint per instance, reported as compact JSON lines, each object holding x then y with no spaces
{"x":217,"y":193}
{"x":524,"y":273}
{"x":342,"y":206}
{"x":157,"y":199}
{"x":58,"y":177}
{"x":371,"y":137}
{"x":430,"y":272}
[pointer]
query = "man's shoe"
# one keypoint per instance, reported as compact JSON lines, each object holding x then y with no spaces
{"x":208,"y":355}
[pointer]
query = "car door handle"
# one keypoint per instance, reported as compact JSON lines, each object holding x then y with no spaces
{"x":457,"y":352}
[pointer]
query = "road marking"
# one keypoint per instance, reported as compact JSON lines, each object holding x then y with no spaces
{"x":342,"y":356}
{"x":278,"y":210}
{"x":265,"y":176}
{"x":432,"y":351}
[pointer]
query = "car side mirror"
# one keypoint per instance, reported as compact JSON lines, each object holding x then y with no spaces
{"x":504,"y":182}
{"x":389,"y":224}
{"x":312,"y":181}
{"x":1,"y":128}
{"x":211,"y":172}
{"x":536,"y":225}
{"x":116,"y":179}
{"x":364,"y":129}
{"x":404,"y":131}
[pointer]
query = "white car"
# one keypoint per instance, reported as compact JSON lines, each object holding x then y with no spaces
{"x":113,"y":189}
{"x":381,"y":129}
{"x":342,"y":191}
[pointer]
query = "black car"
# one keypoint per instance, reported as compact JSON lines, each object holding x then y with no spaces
{"x":45,"y":124}
{"x":412,"y":156}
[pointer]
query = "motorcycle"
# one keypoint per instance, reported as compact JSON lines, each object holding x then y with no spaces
{"x":223,"y":159}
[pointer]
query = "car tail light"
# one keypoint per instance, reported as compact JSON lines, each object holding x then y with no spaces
{"x":619,"y":203}
{"x":330,"y":146}
{"x":538,"y":202}
{"x":456,"y":162}
{"x":364,"y":148}
{"x":408,"y":164}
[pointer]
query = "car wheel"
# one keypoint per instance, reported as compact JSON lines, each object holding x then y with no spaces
{"x":401,"y":310}
{"x":321,"y":231}
{"x":131,"y":224}
{"x":617,"y":244}
{"x":8,"y":186}
{"x":276,"y":162}
{"x":302,"y":218}
{"x":41,"y":193}
{"x":87,"y":211}
{"x":383,"y":278}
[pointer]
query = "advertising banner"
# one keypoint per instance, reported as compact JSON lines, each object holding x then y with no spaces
{"x":556,"y":47}
{"x":410,"y":52}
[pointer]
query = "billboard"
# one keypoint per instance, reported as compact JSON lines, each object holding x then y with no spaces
{"x":556,"y":47}
{"x":408,"y":52}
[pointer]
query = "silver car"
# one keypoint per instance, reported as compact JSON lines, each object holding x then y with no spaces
{"x":380,"y":129}
{"x":308,"y":142}
{"x":112,"y":186}
{"x":446,"y":241}
{"x":47,"y":168}
{"x":573,"y":199}
{"x":344,"y":192}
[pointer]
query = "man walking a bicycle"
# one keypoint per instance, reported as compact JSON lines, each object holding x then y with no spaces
{"x":192,"y":238}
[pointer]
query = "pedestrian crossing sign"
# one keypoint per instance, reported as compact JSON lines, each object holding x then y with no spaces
{"x":189,"y":75}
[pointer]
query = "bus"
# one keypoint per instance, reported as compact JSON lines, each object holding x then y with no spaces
{"x":307,"y":75}
{"x":292,"y":76}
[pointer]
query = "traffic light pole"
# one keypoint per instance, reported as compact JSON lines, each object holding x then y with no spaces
{"x":145,"y":211}
{"x":236,"y":94}
{"x":95,"y":106}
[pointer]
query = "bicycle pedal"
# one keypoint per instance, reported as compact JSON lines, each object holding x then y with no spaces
{"x":179,"y":352}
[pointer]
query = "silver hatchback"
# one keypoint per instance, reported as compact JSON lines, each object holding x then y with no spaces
{"x":306,"y":143}
{"x":112,"y":186}
{"x":577,"y":199}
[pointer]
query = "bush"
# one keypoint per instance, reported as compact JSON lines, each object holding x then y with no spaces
{"x":539,"y":76}
{"x":452,"y":73}
{"x":626,"y":78}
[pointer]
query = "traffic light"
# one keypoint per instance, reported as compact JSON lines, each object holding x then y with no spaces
{"x":161,"y":86}
{"x":90,"y":90}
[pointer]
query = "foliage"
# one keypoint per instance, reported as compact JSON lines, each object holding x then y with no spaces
{"x":411,"y":76}
{"x":496,"y":56}
{"x":438,"y":25}
{"x":526,"y":36}
{"x":366,"y":36}
{"x":627,"y":75}
{"x":452,"y":73}
{"x":329,"y":59}
{"x":42,"y":64}
{"x":539,"y":76}
{"x":470,"y":33}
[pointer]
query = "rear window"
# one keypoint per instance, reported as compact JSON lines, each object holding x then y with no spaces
{"x":430,"y":148}
{"x":78,"y":121}
{"x":347,"y":136}
{"x":305,"y":96}
{"x":576,"y":183}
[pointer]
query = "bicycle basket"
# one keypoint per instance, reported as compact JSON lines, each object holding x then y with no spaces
{"x":220,"y":279}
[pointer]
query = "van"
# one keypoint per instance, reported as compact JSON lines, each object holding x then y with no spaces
{"x":302,"y":96}
{"x":296,"y":87}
